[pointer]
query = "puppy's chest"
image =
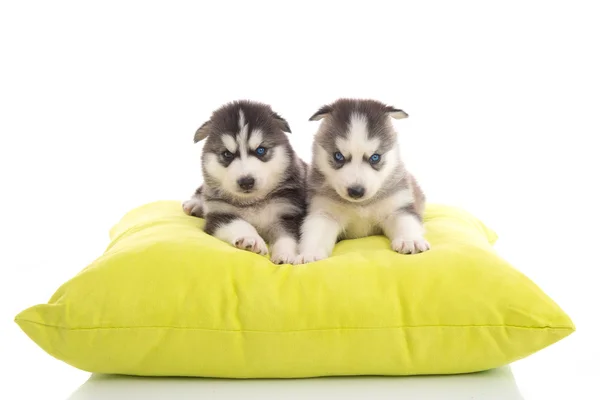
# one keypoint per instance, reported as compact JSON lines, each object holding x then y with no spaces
{"x":362,"y":221}
{"x":261,"y":217}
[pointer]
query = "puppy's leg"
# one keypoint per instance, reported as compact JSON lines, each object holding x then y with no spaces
{"x":284,"y":250}
{"x":318,"y":237}
{"x":232,"y":229}
{"x":405,"y":230}
{"x":195,"y":205}
{"x":283,"y":239}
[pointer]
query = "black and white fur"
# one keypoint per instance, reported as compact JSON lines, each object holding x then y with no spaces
{"x":254,"y":183}
{"x":358,"y":185}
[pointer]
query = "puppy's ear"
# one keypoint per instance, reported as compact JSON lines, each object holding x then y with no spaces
{"x":396,"y":113}
{"x":282,"y":123}
{"x":322,"y":113}
{"x":202,"y":132}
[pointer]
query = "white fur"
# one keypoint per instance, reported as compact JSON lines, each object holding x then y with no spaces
{"x":284,"y":250}
{"x":320,"y":231}
{"x":242,"y":137}
{"x":255,"y":139}
{"x":357,"y":221}
{"x":266,"y":174}
{"x":229,"y":143}
{"x":406,"y":234}
{"x":242,"y":235}
{"x":357,"y":146}
{"x":192,"y":205}
{"x":255,"y":223}
{"x":357,"y":142}
{"x":261,"y":219}
{"x":328,"y":219}
{"x":263,"y":216}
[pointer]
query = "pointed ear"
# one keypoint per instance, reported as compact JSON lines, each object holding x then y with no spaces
{"x":396,"y":113}
{"x":282,"y":123}
{"x":322,"y":113}
{"x":202,"y":132}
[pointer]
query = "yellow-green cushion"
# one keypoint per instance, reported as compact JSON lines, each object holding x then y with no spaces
{"x":167,"y":299}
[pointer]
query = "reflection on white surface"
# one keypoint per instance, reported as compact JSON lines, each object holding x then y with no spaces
{"x":490,"y":385}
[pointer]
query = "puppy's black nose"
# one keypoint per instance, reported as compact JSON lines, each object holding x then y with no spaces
{"x":356,"y":192}
{"x":246,"y":182}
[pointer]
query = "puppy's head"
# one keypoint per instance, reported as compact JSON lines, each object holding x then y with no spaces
{"x":356,"y":148}
{"x":246,"y":152}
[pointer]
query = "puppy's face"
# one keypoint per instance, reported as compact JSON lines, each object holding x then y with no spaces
{"x":356,"y":148}
{"x":246,"y":152}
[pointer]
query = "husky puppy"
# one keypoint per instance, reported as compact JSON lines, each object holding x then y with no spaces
{"x":357,"y":184}
{"x":254,"y":183}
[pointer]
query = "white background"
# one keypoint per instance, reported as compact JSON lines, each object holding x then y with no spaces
{"x":99,"y":102}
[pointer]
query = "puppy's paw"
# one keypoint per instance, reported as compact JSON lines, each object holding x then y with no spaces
{"x":254,"y":244}
{"x":283,"y":257}
{"x":193,"y":207}
{"x":410,"y":246}
{"x":311,"y":256}
{"x":284,"y":251}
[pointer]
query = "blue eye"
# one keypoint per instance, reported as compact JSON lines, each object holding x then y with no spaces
{"x":227,"y":155}
{"x":338,"y":156}
{"x":375,"y":158}
{"x":261,"y":151}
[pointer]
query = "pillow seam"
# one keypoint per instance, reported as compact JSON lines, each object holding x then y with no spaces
{"x":298,"y":330}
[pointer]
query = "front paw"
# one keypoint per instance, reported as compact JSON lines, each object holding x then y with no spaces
{"x":193,"y":207}
{"x":254,"y":244}
{"x":410,"y":246}
{"x":283,"y":257}
{"x":311,"y":256}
